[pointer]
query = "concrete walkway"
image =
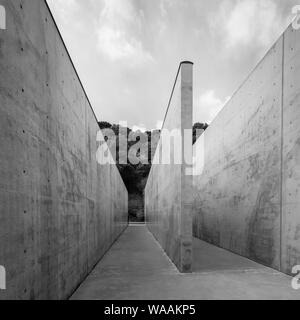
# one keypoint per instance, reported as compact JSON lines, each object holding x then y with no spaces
{"x":136,"y":268}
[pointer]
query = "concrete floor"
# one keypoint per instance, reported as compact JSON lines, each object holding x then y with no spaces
{"x":136,"y":268}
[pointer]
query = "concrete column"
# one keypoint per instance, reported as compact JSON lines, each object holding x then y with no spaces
{"x":168,"y":192}
{"x":186,"y":177}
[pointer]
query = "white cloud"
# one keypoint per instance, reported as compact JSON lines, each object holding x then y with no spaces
{"x":159,"y":125}
{"x":119,"y":32}
{"x":208,"y":106}
{"x":115,"y":43}
{"x":65,"y":9}
{"x":249,"y":22}
{"x":164,"y":6}
{"x":141,"y":127}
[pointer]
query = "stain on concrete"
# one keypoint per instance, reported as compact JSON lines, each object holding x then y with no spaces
{"x":60,"y":211}
{"x":238,"y":194}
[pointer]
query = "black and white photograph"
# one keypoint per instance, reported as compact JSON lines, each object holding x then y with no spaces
{"x":149,"y":153}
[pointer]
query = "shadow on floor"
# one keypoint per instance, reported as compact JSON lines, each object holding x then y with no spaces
{"x":208,"y":258}
{"x":136,"y":268}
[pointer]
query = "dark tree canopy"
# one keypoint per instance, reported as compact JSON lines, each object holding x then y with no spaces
{"x":135,"y":176}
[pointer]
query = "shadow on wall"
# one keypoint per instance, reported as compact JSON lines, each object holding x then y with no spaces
{"x":248,"y":182}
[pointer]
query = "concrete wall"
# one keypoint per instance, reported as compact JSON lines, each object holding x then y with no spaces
{"x":291,"y":152}
{"x":59,"y":210}
{"x":167,"y":194}
{"x":248,"y":164}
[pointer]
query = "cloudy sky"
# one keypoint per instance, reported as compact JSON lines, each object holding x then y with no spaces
{"x":127,"y":51}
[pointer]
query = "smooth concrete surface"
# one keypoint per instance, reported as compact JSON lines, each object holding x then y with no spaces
{"x":168,"y":193}
{"x":208,"y":258}
{"x":59,"y":210}
{"x":247,"y":175}
{"x":291,"y":152}
{"x":136,"y":268}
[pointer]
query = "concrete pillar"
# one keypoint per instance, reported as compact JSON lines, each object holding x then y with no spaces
{"x":186,"y":177}
{"x":168,"y":194}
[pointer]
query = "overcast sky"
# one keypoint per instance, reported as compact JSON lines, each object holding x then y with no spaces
{"x":127,"y":51}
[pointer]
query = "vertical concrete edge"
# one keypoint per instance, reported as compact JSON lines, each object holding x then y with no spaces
{"x":186,"y":179}
{"x":281,"y":153}
{"x":177,"y":246}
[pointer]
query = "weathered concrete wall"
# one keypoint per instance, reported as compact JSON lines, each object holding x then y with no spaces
{"x":246,"y":190}
{"x":291,"y":152}
{"x":59,"y":210}
{"x":167,"y":194}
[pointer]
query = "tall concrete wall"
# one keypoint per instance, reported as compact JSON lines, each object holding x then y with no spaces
{"x":168,"y":199}
{"x":247,"y":170}
{"x":60,"y":211}
{"x":290,"y":245}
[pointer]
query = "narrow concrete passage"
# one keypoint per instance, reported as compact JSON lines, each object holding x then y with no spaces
{"x":136,"y":268}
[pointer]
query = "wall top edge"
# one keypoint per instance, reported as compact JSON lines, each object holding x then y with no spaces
{"x":186,"y":62}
